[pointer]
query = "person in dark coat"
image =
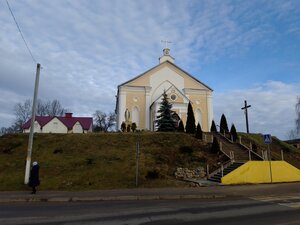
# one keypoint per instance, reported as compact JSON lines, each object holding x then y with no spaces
{"x":34,"y":180}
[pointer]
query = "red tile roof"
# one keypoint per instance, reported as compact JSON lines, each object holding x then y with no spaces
{"x":69,"y":122}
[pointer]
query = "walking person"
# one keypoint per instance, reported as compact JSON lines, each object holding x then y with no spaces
{"x":34,"y":180}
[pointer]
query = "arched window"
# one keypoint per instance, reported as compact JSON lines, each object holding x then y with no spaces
{"x":136,"y":115}
{"x":198,"y":117}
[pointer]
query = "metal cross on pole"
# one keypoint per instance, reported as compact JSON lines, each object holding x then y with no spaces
{"x":166,"y":43}
{"x":246,"y":114}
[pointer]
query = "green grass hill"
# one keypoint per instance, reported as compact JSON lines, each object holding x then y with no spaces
{"x":101,"y":160}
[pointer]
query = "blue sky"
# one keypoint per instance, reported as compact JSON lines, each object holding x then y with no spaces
{"x":244,"y":50}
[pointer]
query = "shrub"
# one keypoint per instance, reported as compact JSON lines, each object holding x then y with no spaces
{"x":123,"y":127}
{"x":180,"y":126}
{"x":152,"y":174}
{"x":215,"y":148}
{"x":128,"y":128}
{"x":233,"y":132}
{"x":198,"y":132}
{"x":58,"y":150}
{"x":89,"y":161}
{"x":133,"y":127}
{"x":213,"y":127}
{"x":186,"y":149}
{"x":223,"y":125}
{"x":190,"y":126}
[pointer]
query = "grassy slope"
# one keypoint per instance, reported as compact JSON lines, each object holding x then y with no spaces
{"x":290,"y":153}
{"x":100,"y":161}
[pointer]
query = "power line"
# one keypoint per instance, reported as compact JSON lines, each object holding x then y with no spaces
{"x":20,"y":31}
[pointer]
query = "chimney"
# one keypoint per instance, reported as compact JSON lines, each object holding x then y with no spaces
{"x":68,"y":115}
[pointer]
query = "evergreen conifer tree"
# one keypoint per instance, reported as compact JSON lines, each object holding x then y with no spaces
{"x":215,"y":148}
{"x":180,"y":126}
{"x":198,"y":132}
{"x":223,"y":125}
{"x":165,"y":120}
{"x":233,"y":132}
{"x":190,"y":126}
{"x":213,"y":127}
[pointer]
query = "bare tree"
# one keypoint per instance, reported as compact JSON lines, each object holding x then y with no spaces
{"x":55,"y":108}
{"x":298,"y":115}
{"x":295,"y":133}
{"x":104,"y":122}
{"x":9,"y":130}
{"x":23,"y":112}
{"x":43,"y":108}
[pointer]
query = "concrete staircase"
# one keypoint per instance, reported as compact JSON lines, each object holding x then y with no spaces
{"x":216,"y":177}
{"x":240,"y":152}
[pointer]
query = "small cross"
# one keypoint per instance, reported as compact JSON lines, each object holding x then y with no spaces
{"x":166,"y":43}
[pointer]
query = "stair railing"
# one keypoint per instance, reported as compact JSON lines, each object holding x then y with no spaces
{"x":221,"y":150}
{"x":249,"y":149}
{"x":224,"y":135}
{"x":222,"y":170}
{"x":231,"y":154}
{"x":224,"y":165}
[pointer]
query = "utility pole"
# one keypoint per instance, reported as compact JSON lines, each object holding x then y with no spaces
{"x":246,"y":114}
{"x":137,"y":164}
{"x":30,"y":141}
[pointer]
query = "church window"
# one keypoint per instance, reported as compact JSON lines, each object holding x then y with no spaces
{"x":136,"y":115}
{"x":173,"y":97}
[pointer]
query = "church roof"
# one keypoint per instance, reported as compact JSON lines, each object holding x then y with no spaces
{"x":69,"y":122}
{"x":158,"y":66}
{"x":166,"y":91}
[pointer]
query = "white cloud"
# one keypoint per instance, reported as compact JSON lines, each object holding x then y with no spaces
{"x":88,"y":48}
{"x":272,"y":108}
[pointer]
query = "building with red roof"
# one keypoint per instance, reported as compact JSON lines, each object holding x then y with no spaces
{"x":60,"y":124}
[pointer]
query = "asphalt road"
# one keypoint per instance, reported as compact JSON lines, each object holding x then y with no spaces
{"x":284,"y":210}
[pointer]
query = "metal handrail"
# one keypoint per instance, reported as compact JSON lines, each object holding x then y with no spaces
{"x":219,"y":169}
{"x":253,"y":152}
{"x":223,"y":135}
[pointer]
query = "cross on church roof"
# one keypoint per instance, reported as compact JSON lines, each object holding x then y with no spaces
{"x":166,"y":43}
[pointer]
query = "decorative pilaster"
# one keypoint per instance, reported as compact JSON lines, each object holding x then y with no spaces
{"x":147,"y":107}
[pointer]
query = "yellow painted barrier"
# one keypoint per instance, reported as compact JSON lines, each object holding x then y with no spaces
{"x":255,"y":172}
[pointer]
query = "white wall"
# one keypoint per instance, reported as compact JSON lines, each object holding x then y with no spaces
{"x":55,"y":126}
{"x":37,"y":128}
{"x":198,"y":117}
{"x":77,"y":128}
{"x":136,"y":116}
{"x":162,"y":80}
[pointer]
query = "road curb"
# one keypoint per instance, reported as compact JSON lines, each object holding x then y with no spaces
{"x":108,"y":198}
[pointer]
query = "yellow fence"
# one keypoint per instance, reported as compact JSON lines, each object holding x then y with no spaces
{"x":255,"y":172}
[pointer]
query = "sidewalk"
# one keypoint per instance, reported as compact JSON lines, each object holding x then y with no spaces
{"x":154,"y":194}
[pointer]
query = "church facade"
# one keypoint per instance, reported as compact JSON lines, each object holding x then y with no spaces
{"x":138,"y":99}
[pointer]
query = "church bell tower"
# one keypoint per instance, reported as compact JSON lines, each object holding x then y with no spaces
{"x":166,"y":56}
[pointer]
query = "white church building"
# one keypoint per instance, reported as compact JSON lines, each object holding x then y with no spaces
{"x":141,"y":96}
